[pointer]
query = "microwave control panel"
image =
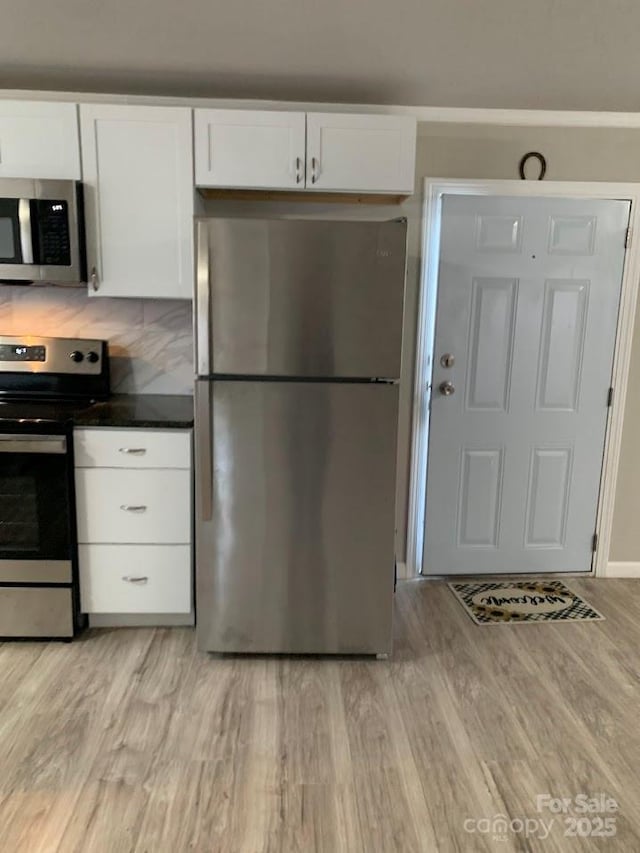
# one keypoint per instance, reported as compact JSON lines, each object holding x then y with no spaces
{"x":53,"y":233}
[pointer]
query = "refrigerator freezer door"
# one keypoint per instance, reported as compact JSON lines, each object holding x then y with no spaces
{"x":300,"y":298}
{"x":298,"y":554}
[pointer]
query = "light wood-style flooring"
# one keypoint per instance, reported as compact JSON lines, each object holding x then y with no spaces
{"x":131,"y":740}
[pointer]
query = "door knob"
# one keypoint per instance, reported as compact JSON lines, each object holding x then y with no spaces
{"x":446,"y":388}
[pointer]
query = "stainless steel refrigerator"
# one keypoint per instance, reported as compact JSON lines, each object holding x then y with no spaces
{"x":299,"y":330}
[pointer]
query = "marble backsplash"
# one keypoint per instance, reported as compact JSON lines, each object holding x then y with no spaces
{"x":150,"y":341}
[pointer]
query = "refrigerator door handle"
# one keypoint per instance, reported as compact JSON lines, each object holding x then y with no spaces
{"x":204,"y":448}
{"x":203,"y":300}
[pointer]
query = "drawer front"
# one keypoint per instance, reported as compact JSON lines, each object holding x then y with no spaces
{"x":135,"y":578}
{"x":132,"y":448}
{"x":36,"y":611}
{"x":117,"y":506}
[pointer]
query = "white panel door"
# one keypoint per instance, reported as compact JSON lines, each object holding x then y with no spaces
{"x":527,"y":307}
{"x":39,"y":139}
{"x":138,"y":173}
{"x":361,"y":153}
{"x":259,"y":149}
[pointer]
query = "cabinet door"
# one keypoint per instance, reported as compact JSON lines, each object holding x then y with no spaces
{"x":39,"y":140}
{"x":250,"y":148}
{"x":138,"y":173}
{"x":361,"y":153}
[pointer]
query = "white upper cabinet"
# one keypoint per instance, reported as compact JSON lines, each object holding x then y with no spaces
{"x":361,"y":153}
{"x":138,"y":175}
{"x":39,"y":139}
{"x":338,"y":152}
{"x":255,"y":149}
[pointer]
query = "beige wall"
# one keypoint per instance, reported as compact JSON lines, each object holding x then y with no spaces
{"x":549,"y":54}
{"x":625,"y":544}
{"x":479,"y":151}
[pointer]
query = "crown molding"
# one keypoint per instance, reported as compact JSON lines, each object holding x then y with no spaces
{"x":423,"y":114}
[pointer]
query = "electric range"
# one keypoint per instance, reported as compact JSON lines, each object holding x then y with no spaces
{"x":43,"y":382}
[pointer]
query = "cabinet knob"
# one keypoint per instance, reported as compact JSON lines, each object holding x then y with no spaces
{"x":133,"y":508}
{"x":141,"y":579}
{"x":95,"y":284}
{"x":134,"y":451}
{"x":298,"y":169}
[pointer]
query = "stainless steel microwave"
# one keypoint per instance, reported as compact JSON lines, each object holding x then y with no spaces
{"x":42,"y":232}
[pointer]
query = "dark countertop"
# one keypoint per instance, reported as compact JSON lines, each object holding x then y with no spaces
{"x":152,"y":411}
{"x":145,"y":411}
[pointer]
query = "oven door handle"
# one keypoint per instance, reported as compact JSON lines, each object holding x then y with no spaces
{"x":16,"y":443}
{"x":24,"y":223}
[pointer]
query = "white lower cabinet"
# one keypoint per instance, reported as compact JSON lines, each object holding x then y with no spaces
{"x":132,"y":448}
{"x":118,"y":505}
{"x":135,"y":523}
{"x":135,"y":578}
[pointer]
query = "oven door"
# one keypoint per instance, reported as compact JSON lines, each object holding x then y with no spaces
{"x":36,"y":509}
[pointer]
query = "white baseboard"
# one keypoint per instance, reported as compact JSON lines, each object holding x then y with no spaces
{"x":623,"y":570}
{"x":140,"y":620}
{"x":401,"y":571}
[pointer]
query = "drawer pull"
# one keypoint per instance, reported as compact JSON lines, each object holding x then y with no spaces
{"x":134,"y":451}
{"x":128,"y":508}
{"x":129,"y":579}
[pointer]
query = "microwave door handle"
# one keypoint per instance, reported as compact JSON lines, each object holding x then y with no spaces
{"x":26,"y":237}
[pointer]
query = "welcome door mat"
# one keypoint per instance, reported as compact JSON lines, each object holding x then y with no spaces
{"x":522,"y":601}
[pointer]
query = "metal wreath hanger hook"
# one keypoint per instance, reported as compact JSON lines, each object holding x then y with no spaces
{"x":536,"y":155}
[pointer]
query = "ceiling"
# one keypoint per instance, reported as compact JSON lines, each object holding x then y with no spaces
{"x":538,"y":54}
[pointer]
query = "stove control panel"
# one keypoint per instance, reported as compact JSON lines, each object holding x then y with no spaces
{"x":52,"y":355}
{"x":22,"y":352}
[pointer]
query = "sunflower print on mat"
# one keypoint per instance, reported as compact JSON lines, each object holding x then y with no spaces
{"x":566,"y":606}
{"x":495,"y":614}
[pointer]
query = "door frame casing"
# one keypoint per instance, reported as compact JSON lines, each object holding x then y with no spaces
{"x":434,"y":190}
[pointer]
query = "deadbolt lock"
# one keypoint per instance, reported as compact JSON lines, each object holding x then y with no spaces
{"x":448,"y":360}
